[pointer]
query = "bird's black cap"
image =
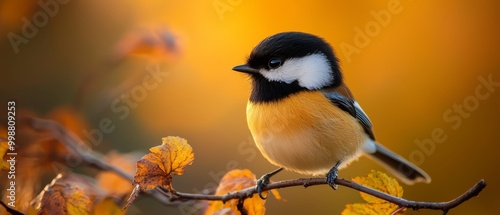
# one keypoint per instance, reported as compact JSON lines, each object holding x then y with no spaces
{"x":283,"y":46}
{"x":290,"y":45}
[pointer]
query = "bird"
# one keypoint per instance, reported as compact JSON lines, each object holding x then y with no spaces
{"x":303,"y":117}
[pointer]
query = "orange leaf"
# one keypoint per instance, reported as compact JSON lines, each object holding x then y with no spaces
{"x":381,"y":182}
{"x":156,"y":168}
{"x":236,"y":180}
{"x":107,"y":207}
{"x":175,"y":154}
{"x":70,"y":118}
{"x":149,"y":174}
{"x":67,"y":194}
{"x":153,"y":42}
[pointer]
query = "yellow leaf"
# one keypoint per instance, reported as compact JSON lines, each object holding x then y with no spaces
{"x":381,"y":182}
{"x":370,"y":209}
{"x":236,"y":180}
{"x":175,"y":154}
{"x":107,"y":207}
{"x":68,"y":193}
{"x":77,"y":200}
{"x":277,"y":195}
{"x":374,"y":206}
{"x":156,"y":168}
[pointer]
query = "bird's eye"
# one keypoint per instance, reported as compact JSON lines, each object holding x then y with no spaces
{"x":274,"y":63}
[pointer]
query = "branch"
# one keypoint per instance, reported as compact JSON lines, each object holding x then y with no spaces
{"x":73,"y":144}
{"x":306,"y":182}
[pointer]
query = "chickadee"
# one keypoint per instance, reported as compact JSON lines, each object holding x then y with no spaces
{"x":304,"y":118}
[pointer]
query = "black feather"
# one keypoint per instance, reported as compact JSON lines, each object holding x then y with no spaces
{"x":348,"y":106}
{"x":264,"y":90}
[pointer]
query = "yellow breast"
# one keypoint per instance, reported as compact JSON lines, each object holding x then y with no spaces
{"x":305,"y":133}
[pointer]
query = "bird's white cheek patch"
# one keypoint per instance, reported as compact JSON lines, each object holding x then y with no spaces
{"x":312,"y":71}
{"x":285,"y":73}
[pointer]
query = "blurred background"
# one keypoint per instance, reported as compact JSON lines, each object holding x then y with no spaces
{"x":158,"y":68}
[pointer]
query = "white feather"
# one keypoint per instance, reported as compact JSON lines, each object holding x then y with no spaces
{"x":369,"y":146}
{"x":312,"y":71}
{"x":356,"y":104}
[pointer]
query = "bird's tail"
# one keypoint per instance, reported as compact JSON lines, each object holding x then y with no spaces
{"x":403,"y":169}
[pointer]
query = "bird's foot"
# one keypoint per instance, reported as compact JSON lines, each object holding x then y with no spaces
{"x":264,"y":181}
{"x":332,"y":175}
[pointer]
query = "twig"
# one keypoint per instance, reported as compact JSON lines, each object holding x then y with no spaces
{"x":241,"y":208}
{"x":10,"y":210}
{"x":306,"y":182}
{"x":73,"y":144}
{"x":398,"y":210}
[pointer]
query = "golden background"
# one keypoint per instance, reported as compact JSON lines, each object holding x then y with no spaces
{"x":415,"y":68}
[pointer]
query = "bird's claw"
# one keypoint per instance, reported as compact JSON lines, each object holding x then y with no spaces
{"x":261,"y":183}
{"x":332,"y":175}
{"x":264,"y":181}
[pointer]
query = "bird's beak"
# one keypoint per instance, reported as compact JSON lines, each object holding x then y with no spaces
{"x":246,"y":69}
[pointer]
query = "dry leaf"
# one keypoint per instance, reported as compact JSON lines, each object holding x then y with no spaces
{"x":156,"y":168}
{"x":175,"y":154}
{"x":68,"y":193}
{"x":236,"y":180}
{"x":40,"y":151}
{"x":149,"y":174}
{"x":381,"y":182}
{"x":26,"y":140}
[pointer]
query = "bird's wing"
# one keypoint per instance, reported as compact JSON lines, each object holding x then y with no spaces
{"x":341,"y":97}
